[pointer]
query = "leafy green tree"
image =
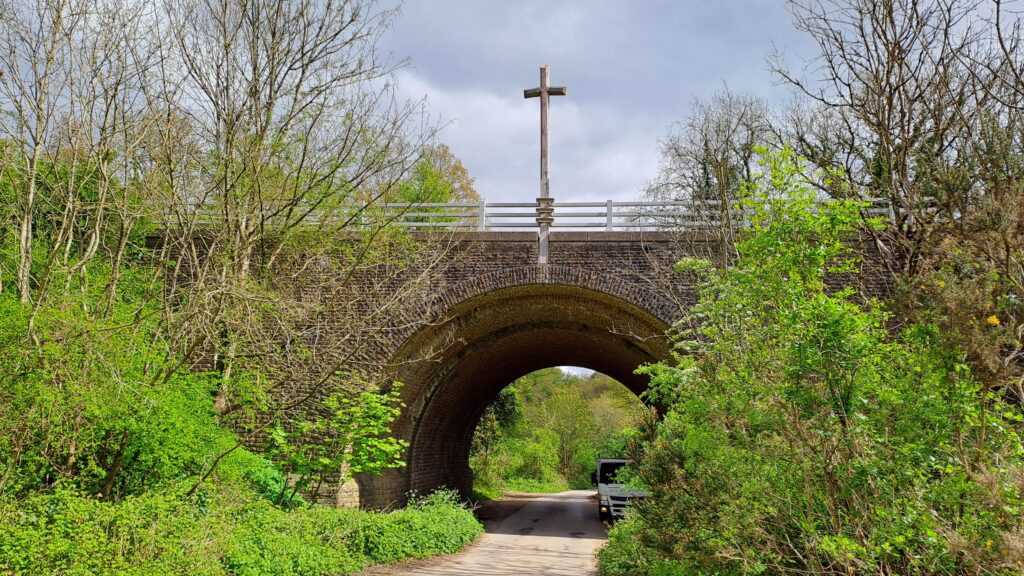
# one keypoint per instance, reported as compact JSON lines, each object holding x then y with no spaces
{"x":438,"y":177}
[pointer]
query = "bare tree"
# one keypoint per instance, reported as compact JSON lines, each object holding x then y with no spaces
{"x":706,"y":159}
{"x":294,"y":104}
{"x":38,"y":42}
{"x":893,"y":107}
{"x":74,"y":71}
{"x":292,"y":119}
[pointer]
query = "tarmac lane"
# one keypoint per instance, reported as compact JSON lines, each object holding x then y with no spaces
{"x":549,"y":535}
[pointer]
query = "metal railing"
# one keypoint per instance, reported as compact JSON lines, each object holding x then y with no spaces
{"x":608,"y":216}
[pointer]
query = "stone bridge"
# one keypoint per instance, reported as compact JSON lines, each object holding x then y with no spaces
{"x":603,"y":301}
{"x":492,"y":314}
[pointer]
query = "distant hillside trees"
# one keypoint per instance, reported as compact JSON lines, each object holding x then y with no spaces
{"x":546,"y":430}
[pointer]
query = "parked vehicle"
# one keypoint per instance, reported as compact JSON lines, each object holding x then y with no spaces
{"x":612,"y":495}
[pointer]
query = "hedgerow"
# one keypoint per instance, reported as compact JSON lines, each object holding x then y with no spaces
{"x":227,"y":531}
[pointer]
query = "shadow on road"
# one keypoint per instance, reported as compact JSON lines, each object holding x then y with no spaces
{"x":552,"y":516}
{"x":542,"y":535}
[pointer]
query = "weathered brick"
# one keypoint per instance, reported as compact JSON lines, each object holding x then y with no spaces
{"x":490,"y":315}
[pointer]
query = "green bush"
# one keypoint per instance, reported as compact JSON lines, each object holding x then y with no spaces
{"x":255,"y":471}
{"x":266,"y":540}
{"x":65,"y":533}
{"x":802,"y":437}
{"x":227,"y":532}
{"x":85,"y":407}
{"x":436,"y":524}
{"x":625,"y":555}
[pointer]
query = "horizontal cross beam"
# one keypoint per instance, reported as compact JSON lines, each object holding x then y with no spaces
{"x":552,"y":91}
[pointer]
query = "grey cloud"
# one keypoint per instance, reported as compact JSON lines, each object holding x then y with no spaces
{"x":632,"y":69}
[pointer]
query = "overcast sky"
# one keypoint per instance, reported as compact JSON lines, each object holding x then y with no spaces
{"x":632,"y":69}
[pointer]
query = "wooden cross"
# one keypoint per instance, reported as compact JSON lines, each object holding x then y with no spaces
{"x":544,"y":209}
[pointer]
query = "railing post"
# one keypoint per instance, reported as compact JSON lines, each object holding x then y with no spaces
{"x":609,"y":223}
{"x":481,"y":223}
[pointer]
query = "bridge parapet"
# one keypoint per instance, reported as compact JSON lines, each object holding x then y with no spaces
{"x":608,"y":216}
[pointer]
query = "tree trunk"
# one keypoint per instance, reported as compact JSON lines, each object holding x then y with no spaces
{"x":114,"y":468}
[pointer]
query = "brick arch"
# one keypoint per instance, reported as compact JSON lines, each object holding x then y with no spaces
{"x":503,"y":325}
{"x":643,"y":296}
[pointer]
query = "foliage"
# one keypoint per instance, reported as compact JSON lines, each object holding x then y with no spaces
{"x":626,"y":555}
{"x":438,"y":177}
{"x":66,"y":533}
{"x":503,"y":414}
{"x":83,"y":403}
{"x":801,"y":437}
{"x":352,"y":438}
{"x":225,"y":532}
{"x":545,"y":431}
{"x":431,"y":525}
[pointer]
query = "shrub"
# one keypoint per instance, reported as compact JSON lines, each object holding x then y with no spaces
{"x":86,"y":408}
{"x":269,"y":541}
{"x":802,"y":437}
{"x":436,"y":524}
{"x":625,"y":555}
{"x":223,"y":532}
{"x":65,"y":533}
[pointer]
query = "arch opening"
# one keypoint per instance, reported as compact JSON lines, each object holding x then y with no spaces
{"x":453,"y":369}
{"x":545,"y":432}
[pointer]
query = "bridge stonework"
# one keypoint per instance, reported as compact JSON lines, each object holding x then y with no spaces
{"x":492,"y":314}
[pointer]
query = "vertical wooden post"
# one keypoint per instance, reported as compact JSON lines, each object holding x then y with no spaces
{"x":545,"y":210}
